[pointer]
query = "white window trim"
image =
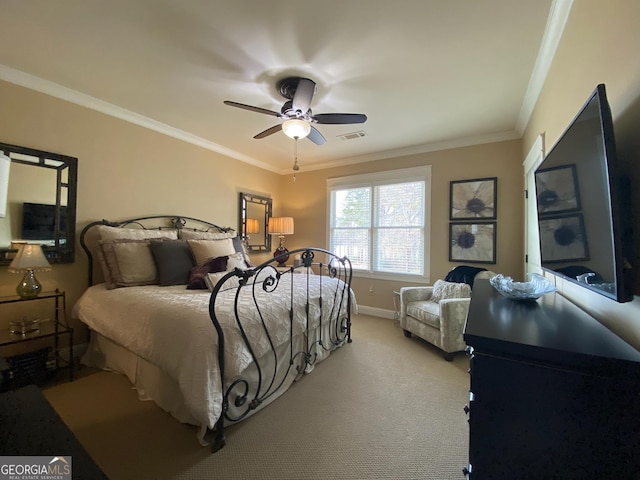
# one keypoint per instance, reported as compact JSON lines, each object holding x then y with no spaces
{"x":422,"y":173}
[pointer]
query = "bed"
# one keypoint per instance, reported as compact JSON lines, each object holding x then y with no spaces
{"x":175,"y":304}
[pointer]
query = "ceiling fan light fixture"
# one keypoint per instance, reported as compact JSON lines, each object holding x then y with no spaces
{"x":295,"y":128}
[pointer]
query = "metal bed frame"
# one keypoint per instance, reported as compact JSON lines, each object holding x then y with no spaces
{"x":315,"y":264}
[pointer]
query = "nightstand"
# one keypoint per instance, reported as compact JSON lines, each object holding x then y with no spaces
{"x":31,"y":366}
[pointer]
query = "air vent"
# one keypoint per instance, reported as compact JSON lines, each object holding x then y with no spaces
{"x":353,"y":135}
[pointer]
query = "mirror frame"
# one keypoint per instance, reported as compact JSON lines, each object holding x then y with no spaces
{"x":245,"y":200}
{"x":59,"y":252}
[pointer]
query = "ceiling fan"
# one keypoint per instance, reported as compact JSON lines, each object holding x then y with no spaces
{"x":296,"y":112}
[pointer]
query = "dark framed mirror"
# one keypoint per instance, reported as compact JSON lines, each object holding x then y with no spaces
{"x":255,"y":211}
{"x":41,"y":204}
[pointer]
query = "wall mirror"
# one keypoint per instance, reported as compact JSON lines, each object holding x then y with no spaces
{"x":252,"y":224}
{"x":41,"y":204}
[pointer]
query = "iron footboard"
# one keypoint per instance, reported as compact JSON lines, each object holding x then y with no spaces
{"x":318,"y":299}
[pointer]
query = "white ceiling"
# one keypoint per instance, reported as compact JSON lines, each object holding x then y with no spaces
{"x":429,"y":74}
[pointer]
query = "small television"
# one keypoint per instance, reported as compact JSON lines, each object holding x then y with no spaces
{"x":39,"y":220}
{"x":582,"y":201}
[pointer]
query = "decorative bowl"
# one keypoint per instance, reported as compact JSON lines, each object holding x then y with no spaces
{"x":531,"y":290}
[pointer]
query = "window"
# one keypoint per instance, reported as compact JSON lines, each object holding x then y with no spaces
{"x":380,"y":221}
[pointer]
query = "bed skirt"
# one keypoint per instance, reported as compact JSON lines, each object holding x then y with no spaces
{"x":152,"y":383}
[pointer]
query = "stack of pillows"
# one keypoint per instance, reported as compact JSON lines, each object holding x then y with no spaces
{"x":131,"y":256}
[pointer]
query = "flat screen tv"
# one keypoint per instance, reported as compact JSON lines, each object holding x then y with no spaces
{"x":38,"y":221}
{"x":582,"y":201}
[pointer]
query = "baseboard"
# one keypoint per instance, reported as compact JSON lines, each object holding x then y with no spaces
{"x":376,"y":312}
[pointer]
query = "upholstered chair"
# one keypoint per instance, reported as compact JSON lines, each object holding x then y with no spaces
{"x":438,"y":313}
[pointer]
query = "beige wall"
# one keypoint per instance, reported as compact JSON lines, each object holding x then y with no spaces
{"x":599,"y":45}
{"x":124,"y":171}
{"x":306,"y":201}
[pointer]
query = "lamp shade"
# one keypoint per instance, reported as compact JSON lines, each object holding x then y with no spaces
{"x":5,"y":165}
{"x":295,"y":128}
{"x":252,"y":225}
{"x":29,"y":257}
{"x":281,"y":225}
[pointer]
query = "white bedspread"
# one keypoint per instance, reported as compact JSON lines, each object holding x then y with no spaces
{"x":171,"y":328}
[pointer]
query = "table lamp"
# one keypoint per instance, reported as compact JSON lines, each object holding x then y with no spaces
{"x":251,"y":226}
{"x":29,"y":259}
{"x":281,"y":226}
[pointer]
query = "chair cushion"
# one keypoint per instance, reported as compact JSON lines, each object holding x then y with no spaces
{"x":442,"y":290}
{"x":426,"y":311}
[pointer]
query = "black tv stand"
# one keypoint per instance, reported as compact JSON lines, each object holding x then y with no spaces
{"x":553,"y":392}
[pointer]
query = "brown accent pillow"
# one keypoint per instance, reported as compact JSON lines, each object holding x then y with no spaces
{"x":199,"y":272}
{"x":127,"y":263}
{"x":204,"y":250}
{"x":117,"y":233}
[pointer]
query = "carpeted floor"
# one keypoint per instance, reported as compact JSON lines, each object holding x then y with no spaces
{"x":383,"y":407}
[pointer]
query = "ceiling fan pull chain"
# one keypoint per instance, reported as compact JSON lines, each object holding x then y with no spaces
{"x":295,"y":158}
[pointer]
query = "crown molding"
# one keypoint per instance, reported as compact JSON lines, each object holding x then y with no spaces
{"x":558,"y":16}
{"x":413,"y":150}
{"x":52,"y":89}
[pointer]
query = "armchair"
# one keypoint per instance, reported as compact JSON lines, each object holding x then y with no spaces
{"x":438,"y":313}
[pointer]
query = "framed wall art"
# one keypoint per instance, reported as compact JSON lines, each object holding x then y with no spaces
{"x":563,"y":239}
{"x":472,"y":242}
{"x":473,"y":199}
{"x":557,"y":190}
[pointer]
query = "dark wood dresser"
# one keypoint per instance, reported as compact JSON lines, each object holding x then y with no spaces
{"x":553,"y":392}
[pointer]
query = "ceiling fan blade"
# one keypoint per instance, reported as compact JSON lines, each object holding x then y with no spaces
{"x":339,"y":118}
{"x":315,"y":136}
{"x":252,"y":108}
{"x":269,"y":131}
{"x":304,"y":94}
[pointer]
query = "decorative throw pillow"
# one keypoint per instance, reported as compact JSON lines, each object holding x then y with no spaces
{"x":240,"y":246}
{"x":443,"y":290}
{"x":174,"y":261}
{"x":212,"y":279}
{"x":127,"y":263}
{"x":203,"y":250}
{"x":200,"y":271}
{"x":117,"y":233}
{"x":236,"y":260}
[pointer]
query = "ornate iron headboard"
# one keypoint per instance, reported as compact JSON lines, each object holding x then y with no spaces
{"x":156,"y":222}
